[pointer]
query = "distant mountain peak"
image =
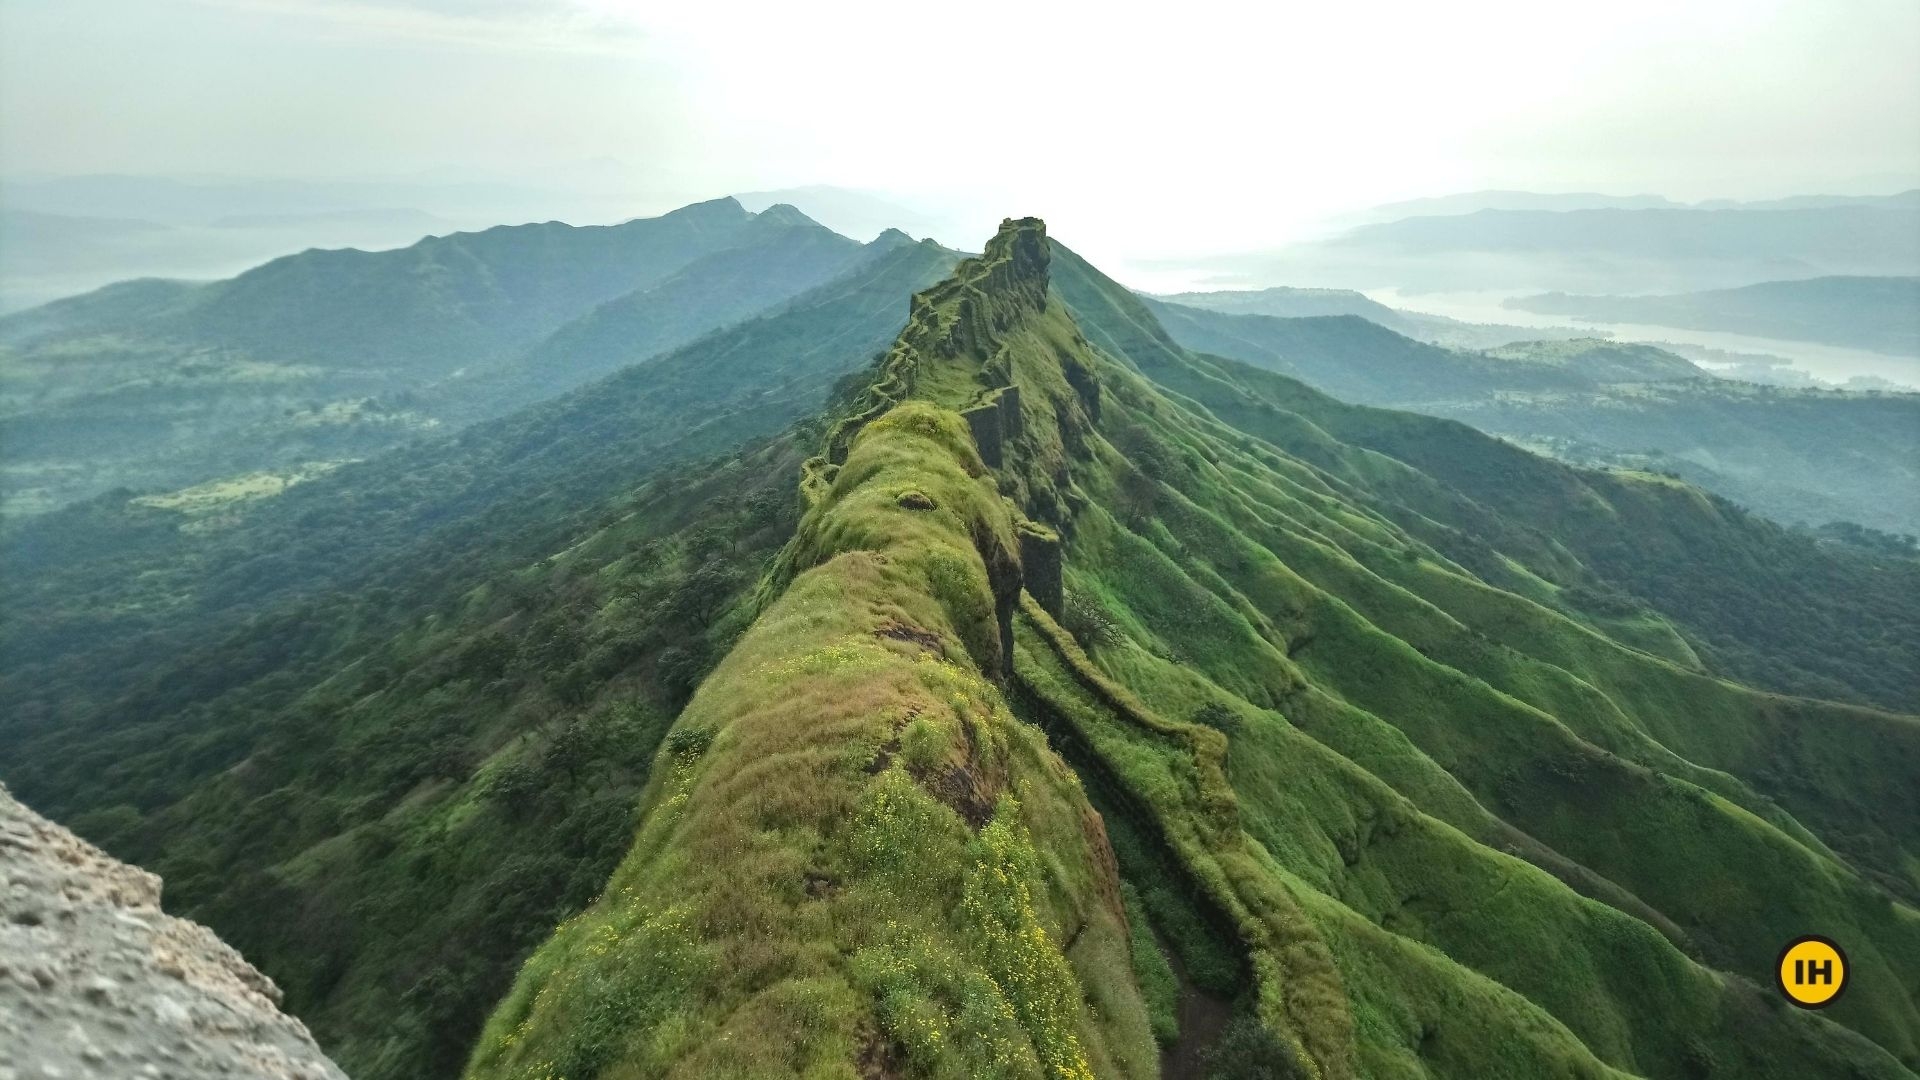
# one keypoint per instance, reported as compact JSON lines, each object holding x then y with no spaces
{"x":724,"y":208}
{"x":782,"y":214}
{"x":889,"y":239}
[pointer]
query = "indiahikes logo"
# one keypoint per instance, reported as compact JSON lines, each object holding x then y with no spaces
{"x":1812,"y":971}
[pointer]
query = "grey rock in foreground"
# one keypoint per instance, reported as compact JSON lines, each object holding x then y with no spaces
{"x":96,"y":981}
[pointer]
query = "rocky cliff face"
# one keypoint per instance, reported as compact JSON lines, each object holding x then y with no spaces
{"x":96,"y":981}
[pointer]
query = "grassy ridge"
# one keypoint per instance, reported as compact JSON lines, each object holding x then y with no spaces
{"x":1384,"y":769}
{"x":852,"y":853}
{"x":1094,"y":707}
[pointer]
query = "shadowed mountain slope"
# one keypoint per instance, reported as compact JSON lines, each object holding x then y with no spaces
{"x":331,"y":356}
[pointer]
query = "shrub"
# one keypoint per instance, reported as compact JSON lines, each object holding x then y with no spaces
{"x":1246,"y":1050}
{"x":1218,"y":716}
{"x":1089,"y":621}
{"x":514,"y":786}
{"x":689,"y":743}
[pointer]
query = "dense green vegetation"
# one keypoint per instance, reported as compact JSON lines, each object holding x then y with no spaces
{"x":1880,"y":313}
{"x":400,"y":626}
{"x":1307,"y":727}
{"x":328,"y":356}
{"x":1093,"y":707}
{"x":101,"y":585}
{"x":1800,"y":456}
{"x":391,"y":822}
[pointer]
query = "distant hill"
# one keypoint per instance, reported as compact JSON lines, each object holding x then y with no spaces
{"x":1609,"y":249}
{"x":780,"y":255}
{"x":327,"y":356}
{"x":1293,"y":303}
{"x":1358,"y":360}
{"x":859,"y":214}
{"x":1879,"y":313}
{"x":1800,"y":456}
{"x":1468,"y":202}
{"x":1861,"y":238}
{"x":1898,"y":200}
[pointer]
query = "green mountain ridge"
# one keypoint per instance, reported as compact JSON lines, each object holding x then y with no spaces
{"x":855,"y":760}
{"x":717,"y":290}
{"x":1102,"y":708}
{"x":115,"y":700}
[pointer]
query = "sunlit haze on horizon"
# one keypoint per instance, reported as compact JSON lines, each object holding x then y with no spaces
{"x":1141,"y":132}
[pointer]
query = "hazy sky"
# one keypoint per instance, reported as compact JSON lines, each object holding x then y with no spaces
{"x":1183,"y":125}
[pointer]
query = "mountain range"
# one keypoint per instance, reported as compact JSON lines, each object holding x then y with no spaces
{"x":964,"y":667}
{"x":1801,"y":456}
{"x":1468,"y":202}
{"x":1612,"y":247}
{"x":1286,"y":302}
{"x":327,"y":356}
{"x":1878,"y":313}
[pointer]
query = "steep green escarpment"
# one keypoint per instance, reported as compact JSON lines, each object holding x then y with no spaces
{"x":854,"y":855}
{"x":1109,"y":695}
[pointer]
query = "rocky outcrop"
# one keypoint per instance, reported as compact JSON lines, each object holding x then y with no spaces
{"x":96,"y":981}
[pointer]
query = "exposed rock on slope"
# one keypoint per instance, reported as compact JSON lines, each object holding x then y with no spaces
{"x":96,"y":981}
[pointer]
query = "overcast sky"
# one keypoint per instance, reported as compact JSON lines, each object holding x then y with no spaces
{"x":1181,"y":126}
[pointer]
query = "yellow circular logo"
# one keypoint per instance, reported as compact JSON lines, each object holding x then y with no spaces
{"x":1812,"y":971}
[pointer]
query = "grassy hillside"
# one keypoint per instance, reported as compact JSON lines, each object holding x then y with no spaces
{"x":429,"y":683}
{"x":1093,"y":707}
{"x":1880,"y":313}
{"x":1393,"y":818}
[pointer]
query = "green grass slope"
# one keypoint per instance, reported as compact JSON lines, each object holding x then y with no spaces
{"x":1777,"y":609}
{"x":385,"y":728}
{"x":1395,"y":816}
{"x":1094,"y":707}
{"x":853,"y":855}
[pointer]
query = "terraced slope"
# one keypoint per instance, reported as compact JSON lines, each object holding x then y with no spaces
{"x":1109,"y":695}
